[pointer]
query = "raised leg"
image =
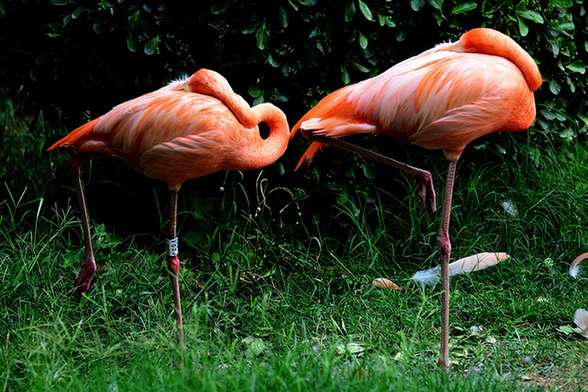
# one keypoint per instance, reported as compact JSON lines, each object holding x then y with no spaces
{"x":82,"y":281}
{"x":424,"y":180}
{"x":173,"y":267}
{"x":445,"y":253}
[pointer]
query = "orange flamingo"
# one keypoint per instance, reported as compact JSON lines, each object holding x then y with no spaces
{"x":441,"y":99}
{"x":187,"y":129}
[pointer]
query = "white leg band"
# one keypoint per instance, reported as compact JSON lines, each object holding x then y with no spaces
{"x":172,"y":247}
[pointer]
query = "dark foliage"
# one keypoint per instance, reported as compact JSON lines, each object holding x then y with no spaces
{"x":65,"y":61}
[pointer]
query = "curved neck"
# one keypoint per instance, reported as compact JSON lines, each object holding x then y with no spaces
{"x":257,"y":152}
{"x":263,"y":152}
{"x":212,"y":83}
{"x":489,"y":41}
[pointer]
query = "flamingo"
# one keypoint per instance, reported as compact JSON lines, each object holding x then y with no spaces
{"x":442,"y":99}
{"x":190,"y":128}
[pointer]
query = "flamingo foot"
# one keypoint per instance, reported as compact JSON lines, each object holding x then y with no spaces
{"x":426,"y":190}
{"x":82,"y":281}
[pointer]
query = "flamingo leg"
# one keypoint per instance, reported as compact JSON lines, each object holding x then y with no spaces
{"x":444,"y":245}
{"x":84,"y":277}
{"x":424,"y":180}
{"x":173,"y":267}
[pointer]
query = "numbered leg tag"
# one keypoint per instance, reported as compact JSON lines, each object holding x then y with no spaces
{"x":172,"y":247}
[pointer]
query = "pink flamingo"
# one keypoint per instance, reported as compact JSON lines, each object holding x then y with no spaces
{"x":187,"y":129}
{"x":441,"y":99}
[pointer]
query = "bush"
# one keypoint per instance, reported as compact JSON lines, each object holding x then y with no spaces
{"x":72,"y":60}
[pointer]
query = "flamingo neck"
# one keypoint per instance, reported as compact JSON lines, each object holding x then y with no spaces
{"x":256,"y":152}
{"x":263,"y":152}
{"x":208,"y":82}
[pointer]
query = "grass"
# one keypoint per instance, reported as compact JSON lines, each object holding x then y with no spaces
{"x":277,"y":294}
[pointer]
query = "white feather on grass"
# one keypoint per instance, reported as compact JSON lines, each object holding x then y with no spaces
{"x":581,"y":320}
{"x":575,"y":266}
{"x":476,"y":262}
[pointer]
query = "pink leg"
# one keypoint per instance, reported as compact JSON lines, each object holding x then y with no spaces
{"x":445,"y":253}
{"x":424,"y":180}
{"x":173,"y":267}
{"x":82,"y":281}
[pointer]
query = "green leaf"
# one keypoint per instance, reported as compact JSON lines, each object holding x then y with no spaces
{"x":554,"y":87}
{"x":439,"y":17}
{"x":417,"y":5}
{"x":566,"y":26}
{"x":258,"y":100}
{"x":249,"y":29}
{"x":532,"y":15}
{"x":283,"y":16}
{"x":309,"y":3}
{"x":131,"y":43}
{"x":554,"y":48}
{"x":263,"y":37}
{"x":255,"y":346}
{"x":272,"y":62}
{"x":349,"y":348}
{"x":369,"y":172}
{"x":350,"y":11}
{"x":577,"y":66}
{"x":61,"y":2}
{"x":133,"y":19}
{"x":464,"y":7}
{"x":571,"y":84}
{"x":363,"y":41}
{"x":562,"y":4}
{"x":319,"y":46}
{"x":360,"y":67}
{"x":567,"y":134}
{"x":151,"y":46}
{"x":523,"y":28}
{"x":386,"y":21}
{"x":97,"y":27}
{"x":255,"y":91}
{"x":365,"y":10}
{"x":77,"y":12}
{"x":345,"y":75}
{"x":437,"y":4}
{"x":548,"y":115}
{"x":66,"y":19}
{"x":219,"y":7}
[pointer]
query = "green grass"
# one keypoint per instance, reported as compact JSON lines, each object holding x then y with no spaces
{"x":279,"y":298}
